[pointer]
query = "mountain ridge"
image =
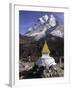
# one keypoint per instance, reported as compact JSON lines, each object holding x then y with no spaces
{"x":51,"y":26}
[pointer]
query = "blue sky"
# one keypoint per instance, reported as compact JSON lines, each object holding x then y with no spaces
{"x":29,"y":18}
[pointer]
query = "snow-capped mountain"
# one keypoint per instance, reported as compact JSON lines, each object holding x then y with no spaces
{"x":45,"y":24}
{"x":59,"y":31}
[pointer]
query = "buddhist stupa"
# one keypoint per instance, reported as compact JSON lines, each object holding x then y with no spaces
{"x":45,"y":59}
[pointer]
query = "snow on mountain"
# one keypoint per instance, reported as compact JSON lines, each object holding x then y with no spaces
{"x":59,"y":31}
{"x":43,"y":19}
{"x":52,"y":21}
{"x":38,"y":33}
{"x":45,"y":24}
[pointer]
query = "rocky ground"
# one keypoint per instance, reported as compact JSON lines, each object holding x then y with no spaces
{"x":27,"y":70}
{"x":30,"y":50}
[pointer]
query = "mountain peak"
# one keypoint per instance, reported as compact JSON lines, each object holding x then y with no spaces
{"x":45,"y":24}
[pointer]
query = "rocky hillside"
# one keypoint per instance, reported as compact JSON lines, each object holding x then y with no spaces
{"x":29,"y":47}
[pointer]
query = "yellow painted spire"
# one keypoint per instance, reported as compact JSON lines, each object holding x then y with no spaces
{"x":45,"y":49}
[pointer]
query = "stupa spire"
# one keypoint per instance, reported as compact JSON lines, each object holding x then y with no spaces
{"x":45,"y":49}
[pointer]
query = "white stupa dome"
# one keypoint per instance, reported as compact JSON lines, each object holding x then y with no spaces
{"x":45,"y":59}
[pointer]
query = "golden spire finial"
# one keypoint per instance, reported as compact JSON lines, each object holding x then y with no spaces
{"x":45,"y":49}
